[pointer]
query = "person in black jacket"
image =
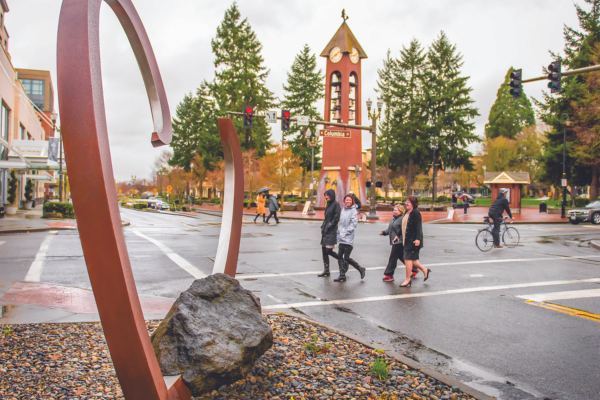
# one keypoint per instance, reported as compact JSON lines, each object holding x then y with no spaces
{"x":329,"y":233}
{"x":356,"y":200}
{"x":394,"y":231}
{"x":412,"y":237}
{"x":496,"y":210}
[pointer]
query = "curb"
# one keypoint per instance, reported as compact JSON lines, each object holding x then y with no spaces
{"x":400,"y":358}
{"x":50,"y":228}
{"x":595,"y":244}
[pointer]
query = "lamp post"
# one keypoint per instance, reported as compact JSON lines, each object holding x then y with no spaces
{"x":433,"y":145}
{"x":564,"y":174}
{"x":54,"y":117}
{"x":312,"y":141}
{"x":373,"y":117}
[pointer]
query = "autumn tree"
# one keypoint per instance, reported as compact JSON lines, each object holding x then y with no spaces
{"x":281,"y":168}
{"x":199,"y":173}
{"x":252,"y":176}
{"x":217,"y":178}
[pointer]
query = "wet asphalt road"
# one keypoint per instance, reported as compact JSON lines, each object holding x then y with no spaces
{"x":466,"y":321}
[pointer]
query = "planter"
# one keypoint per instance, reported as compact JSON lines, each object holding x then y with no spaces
{"x":11,"y":210}
{"x":28,"y":205}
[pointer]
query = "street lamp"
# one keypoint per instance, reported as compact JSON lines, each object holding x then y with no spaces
{"x":54,"y":117}
{"x":312,"y":141}
{"x":433,"y":145}
{"x":373,"y":116}
{"x":564,"y":174}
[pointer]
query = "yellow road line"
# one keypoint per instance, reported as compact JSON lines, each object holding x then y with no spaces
{"x":566,"y":310}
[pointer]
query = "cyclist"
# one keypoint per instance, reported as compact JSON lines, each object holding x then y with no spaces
{"x":496,"y":210}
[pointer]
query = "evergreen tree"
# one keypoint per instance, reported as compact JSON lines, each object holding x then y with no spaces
{"x":304,"y":88}
{"x":449,"y":106}
{"x":509,"y":116}
{"x":579,"y":53}
{"x":240,"y":77}
{"x":195,"y":132}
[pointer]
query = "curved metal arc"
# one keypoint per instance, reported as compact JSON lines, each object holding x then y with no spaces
{"x":85,"y":133}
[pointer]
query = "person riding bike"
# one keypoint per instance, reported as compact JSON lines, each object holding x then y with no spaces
{"x":495,"y":213}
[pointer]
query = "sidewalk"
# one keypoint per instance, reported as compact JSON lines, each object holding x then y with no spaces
{"x":474,"y":215}
{"x":26,"y":221}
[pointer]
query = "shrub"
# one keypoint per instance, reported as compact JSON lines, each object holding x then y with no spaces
{"x":215,"y":200}
{"x":29,"y":190}
{"x":442,"y":199}
{"x":140,"y":206}
{"x":64,"y":208}
{"x":581,"y":202}
{"x":12,"y":188}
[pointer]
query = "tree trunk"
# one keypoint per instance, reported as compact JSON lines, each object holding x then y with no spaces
{"x":387,"y":180}
{"x":594,"y":184}
{"x":557,"y":192}
{"x":409,"y":177}
{"x":303,"y":183}
{"x":433,"y":188}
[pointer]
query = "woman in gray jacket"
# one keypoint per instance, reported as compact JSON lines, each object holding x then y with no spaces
{"x":345,"y":238}
{"x":394,"y":231}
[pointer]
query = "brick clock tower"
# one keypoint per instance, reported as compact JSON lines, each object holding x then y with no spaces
{"x":342,"y":168}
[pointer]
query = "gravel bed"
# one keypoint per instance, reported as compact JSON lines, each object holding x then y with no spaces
{"x":71,"y":361}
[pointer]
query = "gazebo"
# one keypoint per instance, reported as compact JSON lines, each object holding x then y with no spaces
{"x":513,"y":181}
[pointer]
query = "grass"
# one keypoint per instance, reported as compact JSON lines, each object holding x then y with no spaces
{"x":7,"y":331}
{"x":380,"y":368}
{"x":525,"y":202}
{"x":314,"y":347}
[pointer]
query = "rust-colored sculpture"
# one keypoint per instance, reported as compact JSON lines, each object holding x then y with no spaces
{"x":84,"y":128}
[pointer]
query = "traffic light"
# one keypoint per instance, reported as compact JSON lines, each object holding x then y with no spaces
{"x":285,"y":120}
{"x":248,"y":115}
{"x":379,"y":184}
{"x":554,"y":76}
{"x":515,"y":83}
{"x":368,"y":184}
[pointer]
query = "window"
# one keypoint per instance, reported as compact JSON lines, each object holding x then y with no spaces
{"x":29,"y":137}
{"x":21,"y":132}
{"x":35,"y":91}
{"x":4,"y":111}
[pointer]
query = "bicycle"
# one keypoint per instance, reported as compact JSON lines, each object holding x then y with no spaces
{"x":485,"y":240}
{"x":362,"y":216}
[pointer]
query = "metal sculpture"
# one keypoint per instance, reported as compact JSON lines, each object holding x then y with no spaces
{"x":93,"y":191}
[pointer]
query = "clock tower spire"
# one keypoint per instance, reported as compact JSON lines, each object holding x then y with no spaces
{"x":341,"y":166}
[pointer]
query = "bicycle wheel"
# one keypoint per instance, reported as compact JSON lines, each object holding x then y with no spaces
{"x":362,"y":216}
{"x":484,"y":240}
{"x":511,"y":237}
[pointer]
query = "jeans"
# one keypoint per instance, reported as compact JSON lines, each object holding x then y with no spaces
{"x":396,"y":254}
{"x":496,"y":231}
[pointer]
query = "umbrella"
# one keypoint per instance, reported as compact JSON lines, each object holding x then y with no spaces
{"x":265,"y":189}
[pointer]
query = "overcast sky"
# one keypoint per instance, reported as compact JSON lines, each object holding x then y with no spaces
{"x":491,"y":35}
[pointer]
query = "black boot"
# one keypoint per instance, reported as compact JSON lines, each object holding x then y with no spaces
{"x":256,"y":217}
{"x":358,"y":268}
{"x":325,"y":272}
{"x":342,"y":277}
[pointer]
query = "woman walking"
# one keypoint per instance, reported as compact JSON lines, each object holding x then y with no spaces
{"x":465,"y":203}
{"x":260,"y":206}
{"x":329,"y":230}
{"x":412,"y":238}
{"x":345,"y":238}
{"x":273,"y":208}
{"x":394,"y":231}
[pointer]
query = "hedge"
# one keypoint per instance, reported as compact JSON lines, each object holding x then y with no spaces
{"x":140,"y":206}
{"x":64,"y":208}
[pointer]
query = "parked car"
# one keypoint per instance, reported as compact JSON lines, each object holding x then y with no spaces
{"x":589,"y":213}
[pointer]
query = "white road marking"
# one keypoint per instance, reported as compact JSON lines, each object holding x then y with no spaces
{"x":569,"y":295}
{"x":274,"y":298}
{"x":35,"y":270}
{"x":427,"y":294}
{"x":512,"y":260}
{"x":1,"y":243}
{"x":176,"y":258}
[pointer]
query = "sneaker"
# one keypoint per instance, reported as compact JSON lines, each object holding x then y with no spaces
{"x":388,"y":278}
{"x":497,"y":247}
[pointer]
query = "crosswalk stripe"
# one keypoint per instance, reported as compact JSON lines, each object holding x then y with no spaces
{"x":568,"y":295}
{"x":35,"y":270}
{"x":176,"y":258}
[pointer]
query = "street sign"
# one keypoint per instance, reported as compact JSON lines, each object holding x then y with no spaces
{"x":306,"y":207}
{"x":311,"y":186}
{"x":564,"y":182}
{"x":169,"y":188}
{"x":335,"y":133}
{"x":271,"y":117}
{"x":302,"y":120}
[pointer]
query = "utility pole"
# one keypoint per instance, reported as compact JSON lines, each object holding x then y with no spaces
{"x":312,"y":141}
{"x":434,"y":145}
{"x":564,"y":174}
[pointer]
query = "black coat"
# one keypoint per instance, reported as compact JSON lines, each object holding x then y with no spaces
{"x":414,"y":229}
{"x":330,"y":224}
{"x":500,"y":205}
{"x":357,"y":201}
{"x":394,"y":229}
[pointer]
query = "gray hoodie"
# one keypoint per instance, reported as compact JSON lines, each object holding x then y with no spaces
{"x":347,"y":226}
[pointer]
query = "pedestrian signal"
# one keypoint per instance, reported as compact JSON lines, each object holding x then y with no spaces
{"x":555,"y":76}
{"x":368,"y":184}
{"x":248,"y":116}
{"x":515,"y":83}
{"x":379,"y":184}
{"x":285,"y":120}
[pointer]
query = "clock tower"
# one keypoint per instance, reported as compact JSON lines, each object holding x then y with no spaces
{"x":341,"y":166}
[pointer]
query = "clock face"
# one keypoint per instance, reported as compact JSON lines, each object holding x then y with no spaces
{"x":354,"y":55}
{"x":335,"y":55}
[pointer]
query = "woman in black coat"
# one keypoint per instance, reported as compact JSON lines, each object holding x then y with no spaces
{"x":394,"y":231}
{"x":412,"y":235}
{"x":329,"y":230}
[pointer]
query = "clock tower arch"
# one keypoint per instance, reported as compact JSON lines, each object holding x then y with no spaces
{"x":341,"y":165}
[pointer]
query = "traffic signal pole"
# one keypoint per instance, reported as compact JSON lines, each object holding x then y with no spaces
{"x":565,"y":73}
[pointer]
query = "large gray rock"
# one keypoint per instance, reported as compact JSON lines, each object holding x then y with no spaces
{"x":212,"y":335}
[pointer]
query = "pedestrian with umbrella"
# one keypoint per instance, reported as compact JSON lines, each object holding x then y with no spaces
{"x":260,"y":203}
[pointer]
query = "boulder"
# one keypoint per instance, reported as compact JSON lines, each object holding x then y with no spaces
{"x":213,"y":334}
